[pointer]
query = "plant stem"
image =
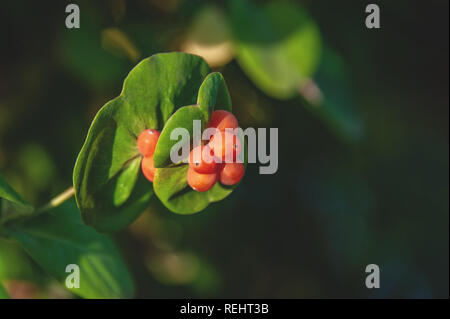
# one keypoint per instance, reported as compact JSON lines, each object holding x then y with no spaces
{"x":58,"y":200}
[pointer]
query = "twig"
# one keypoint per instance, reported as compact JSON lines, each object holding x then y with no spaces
{"x":58,"y":200}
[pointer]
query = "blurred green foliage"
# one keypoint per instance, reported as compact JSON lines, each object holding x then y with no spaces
{"x":15,"y":264}
{"x":39,"y":243}
{"x":59,"y":238}
{"x":363,"y":152}
{"x":278,"y":45}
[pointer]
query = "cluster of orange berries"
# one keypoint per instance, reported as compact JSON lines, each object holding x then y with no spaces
{"x":208,"y":163}
{"x":223,"y":145}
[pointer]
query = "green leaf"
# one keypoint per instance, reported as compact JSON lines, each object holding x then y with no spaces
{"x":59,"y":238}
{"x":16,"y":264}
{"x":213,"y":95}
{"x":170,"y":183}
{"x":110,"y":190}
{"x":172,"y":189}
{"x":3,"y":292}
{"x":183,"y":118}
{"x":9,"y":194}
{"x":11,"y":204}
{"x":96,"y":67}
{"x":278,"y":45}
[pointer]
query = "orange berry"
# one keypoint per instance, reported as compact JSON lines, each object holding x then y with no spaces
{"x":225,"y":144}
{"x":206,"y":162}
{"x":222,"y":119}
{"x":200,"y":182}
{"x":148,"y":168}
{"x":231,"y":173}
{"x":146,"y":142}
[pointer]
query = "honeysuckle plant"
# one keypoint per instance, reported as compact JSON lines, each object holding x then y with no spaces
{"x":163,"y":92}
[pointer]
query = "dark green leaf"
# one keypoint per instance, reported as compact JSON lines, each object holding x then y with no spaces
{"x":278,"y":46}
{"x":109,"y":189}
{"x":11,"y":204}
{"x":59,"y":238}
{"x":172,"y":189}
{"x":6,"y":192}
{"x":213,"y":95}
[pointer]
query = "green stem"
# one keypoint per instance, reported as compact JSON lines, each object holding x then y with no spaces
{"x":58,"y":200}
{"x":55,"y":202}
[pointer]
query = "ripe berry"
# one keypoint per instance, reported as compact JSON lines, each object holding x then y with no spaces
{"x":231,"y":173}
{"x":146,"y":142}
{"x":225,"y":144}
{"x":148,"y":168}
{"x":206,"y":162}
{"x":222,"y":119}
{"x":200,"y":182}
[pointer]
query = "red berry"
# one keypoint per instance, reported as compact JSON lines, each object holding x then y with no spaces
{"x":206,"y":163}
{"x":148,"y":168}
{"x":225,"y":144}
{"x":231,"y":173}
{"x":222,"y":119}
{"x":146,"y":142}
{"x":200,"y":182}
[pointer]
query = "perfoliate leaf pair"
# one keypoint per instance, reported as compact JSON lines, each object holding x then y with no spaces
{"x":163,"y":92}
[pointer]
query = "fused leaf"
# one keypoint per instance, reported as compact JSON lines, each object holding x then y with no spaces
{"x":213,"y":95}
{"x":110,"y":189}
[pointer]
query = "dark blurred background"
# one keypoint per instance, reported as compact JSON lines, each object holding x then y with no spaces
{"x":361,"y":185}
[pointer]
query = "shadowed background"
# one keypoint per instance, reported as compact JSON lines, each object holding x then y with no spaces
{"x":364,"y":182}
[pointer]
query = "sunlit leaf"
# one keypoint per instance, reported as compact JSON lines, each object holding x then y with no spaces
{"x":59,"y":238}
{"x":172,"y":189}
{"x":15,"y":264}
{"x":214,"y":95}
